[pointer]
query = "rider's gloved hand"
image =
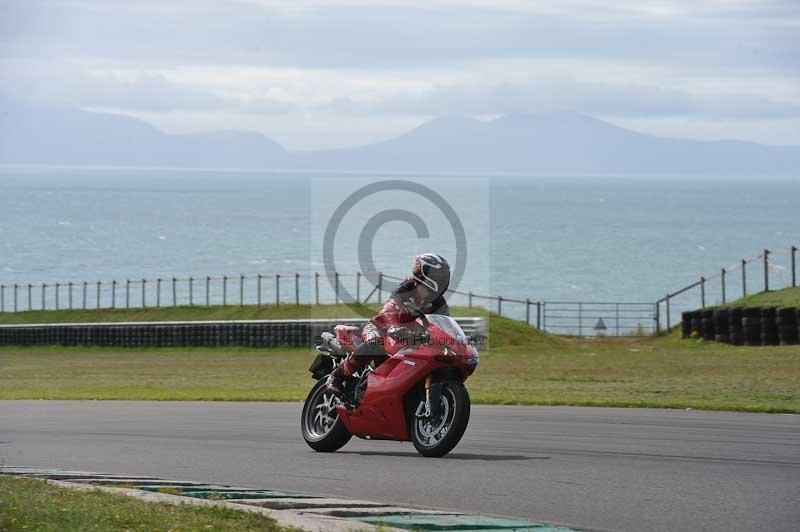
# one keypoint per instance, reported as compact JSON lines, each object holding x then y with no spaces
{"x":370,"y":333}
{"x":369,"y":348}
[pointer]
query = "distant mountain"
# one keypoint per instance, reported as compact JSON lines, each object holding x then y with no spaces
{"x":546,"y":143}
{"x":66,"y":136}
{"x":552,"y":143}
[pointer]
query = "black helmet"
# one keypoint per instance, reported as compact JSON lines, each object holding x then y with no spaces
{"x":432,"y":271}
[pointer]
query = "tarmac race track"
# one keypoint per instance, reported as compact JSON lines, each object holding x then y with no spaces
{"x":590,"y":468}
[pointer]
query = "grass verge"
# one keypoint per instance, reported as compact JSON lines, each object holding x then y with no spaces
{"x":787,"y":297}
{"x":194,"y":313}
{"x":522,"y":367}
{"x":33,"y":504}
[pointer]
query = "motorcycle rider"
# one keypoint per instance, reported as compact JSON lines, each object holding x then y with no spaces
{"x":424,"y":290}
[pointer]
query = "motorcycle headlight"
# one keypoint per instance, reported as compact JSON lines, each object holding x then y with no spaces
{"x":447,"y":354}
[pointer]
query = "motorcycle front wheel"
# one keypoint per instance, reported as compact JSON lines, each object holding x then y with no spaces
{"x":435,"y":437}
{"x":322,"y":429}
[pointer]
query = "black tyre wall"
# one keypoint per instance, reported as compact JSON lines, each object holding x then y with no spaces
{"x":721,"y":328}
{"x":735,"y":334}
{"x":769,"y":329}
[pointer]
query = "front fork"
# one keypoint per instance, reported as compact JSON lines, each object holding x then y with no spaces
{"x":432,"y":406}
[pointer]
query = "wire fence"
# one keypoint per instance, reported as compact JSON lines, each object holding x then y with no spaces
{"x":253,"y":289}
{"x":773,"y":268}
{"x":297,"y":289}
{"x":769,"y":270}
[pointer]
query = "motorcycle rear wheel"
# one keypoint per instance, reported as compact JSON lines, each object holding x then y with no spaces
{"x":322,"y":429}
{"x":437,"y":437}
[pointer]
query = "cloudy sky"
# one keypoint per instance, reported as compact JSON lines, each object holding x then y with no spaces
{"x":320,"y":74}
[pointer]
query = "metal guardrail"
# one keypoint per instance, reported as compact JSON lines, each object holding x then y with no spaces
{"x":599,"y":318}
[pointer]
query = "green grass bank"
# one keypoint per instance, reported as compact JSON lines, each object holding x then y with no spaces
{"x":788,"y":297}
{"x":33,"y":504}
{"x":522,"y":366}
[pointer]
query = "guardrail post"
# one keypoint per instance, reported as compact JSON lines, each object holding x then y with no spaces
{"x":83,"y":305}
{"x":127,"y":293}
{"x":224,"y":290}
{"x":336,"y":287}
{"x":144,"y":293}
{"x":358,"y":287}
{"x":174,"y":292}
{"x":702,"y":292}
{"x":2,"y":298}
{"x":527,"y":311}
{"x":208,"y":290}
{"x":69,"y":297}
{"x":241,"y":290}
{"x":258,"y":290}
{"x":316,"y":287}
{"x":744,"y":278}
{"x":44,"y":289}
{"x":277,"y":289}
{"x":57,"y":291}
{"x":666,"y":308}
{"x":616,"y":317}
{"x":191,"y":291}
{"x":658,"y":318}
{"x":766,"y":270}
{"x":113,"y":295}
{"x":296,"y":288}
{"x":30,"y":292}
{"x":15,"y":297}
{"x":499,"y":305}
{"x":380,"y":287}
{"x":98,"y":293}
{"x":794,"y":266}
{"x":722,"y":281}
{"x":544,"y":315}
{"x":158,"y":292}
{"x":470,"y":300}
{"x":539,"y":315}
{"x":580,"y":319}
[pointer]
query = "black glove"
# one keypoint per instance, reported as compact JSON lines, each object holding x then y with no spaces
{"x":369,"y":349}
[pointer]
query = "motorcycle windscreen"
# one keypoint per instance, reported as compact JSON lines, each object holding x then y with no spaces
{"x":449,"y":326}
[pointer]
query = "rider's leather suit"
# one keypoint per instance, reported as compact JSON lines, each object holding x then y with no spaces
{"x":394,"y":313}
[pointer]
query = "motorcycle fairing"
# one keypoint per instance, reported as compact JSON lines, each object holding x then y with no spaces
{"x":381,"y":414}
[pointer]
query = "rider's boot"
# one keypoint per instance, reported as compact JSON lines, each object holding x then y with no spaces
{"x":336,"y":383}
{"x":353,"y":363}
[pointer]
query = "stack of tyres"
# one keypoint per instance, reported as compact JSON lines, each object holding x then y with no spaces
{"x":721,"y":327}
{"x":786,"y":322}
{"x":213,"y":335}
{"x":797,"y":319}
{"x":697,"y":324}
{"x":686,"y":324}
{"x":135,"y":336}
{"x":708,"y":324}
{"x":769,"y":329}
{"x":261,"y":335}
{"x":751,"y":325}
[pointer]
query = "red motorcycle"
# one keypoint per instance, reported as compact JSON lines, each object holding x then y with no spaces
{"x":416,"y":393}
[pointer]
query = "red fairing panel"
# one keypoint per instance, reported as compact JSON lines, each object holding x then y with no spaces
{"x":381,"y":413}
